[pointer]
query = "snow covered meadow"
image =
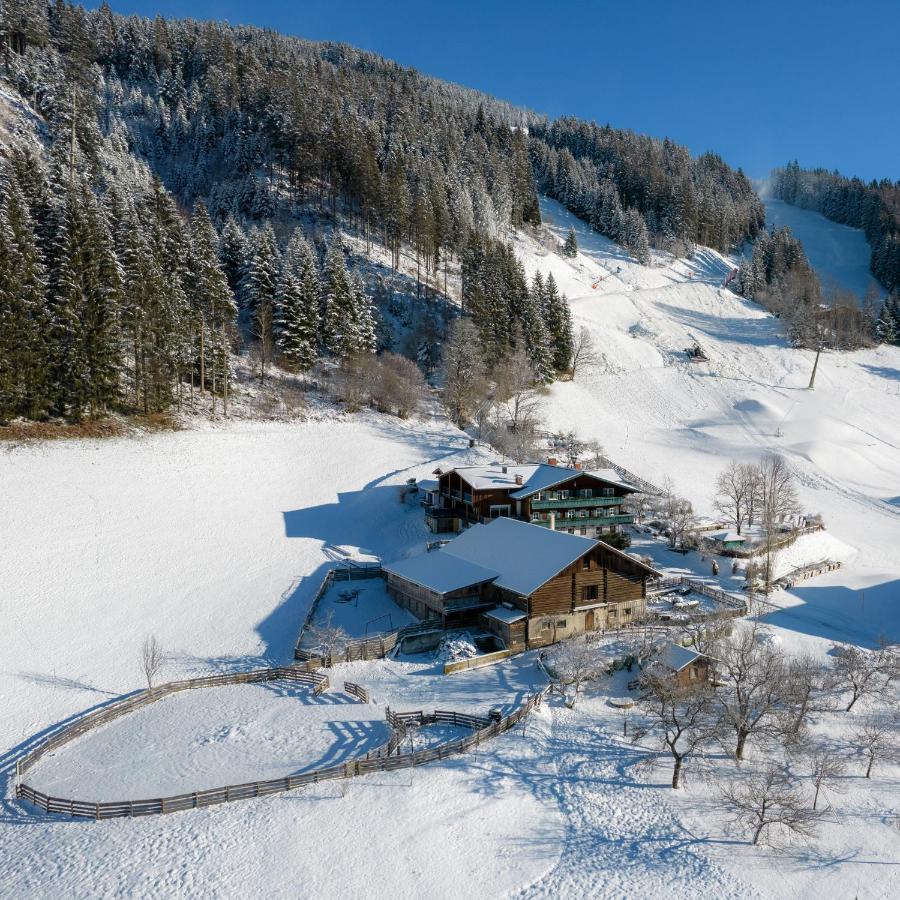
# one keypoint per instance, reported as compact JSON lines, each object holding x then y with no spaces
{"x":216,"y":539}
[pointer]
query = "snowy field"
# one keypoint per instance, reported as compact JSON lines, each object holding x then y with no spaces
{"x":211,"y":738}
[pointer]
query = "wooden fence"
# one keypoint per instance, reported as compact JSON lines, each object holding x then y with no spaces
{"x":358,"y":691}
{"x":373,"y":762}
{"x":477,"y":662}
{"x":361,"y":650}
{"x":711,"y":546}
{"x":301,"y":673}
{"x":738,"y":605}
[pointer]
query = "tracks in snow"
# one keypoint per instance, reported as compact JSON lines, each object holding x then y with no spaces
{"x":621,"y":840}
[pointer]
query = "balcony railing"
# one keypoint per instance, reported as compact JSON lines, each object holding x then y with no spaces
{"x":563,"y":522}
{"x":577,"y":502}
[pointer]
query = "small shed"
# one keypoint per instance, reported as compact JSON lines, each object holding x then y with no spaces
{"x":688,"y":667}
{"x":730,"y":540}
{"x":507,"y":622}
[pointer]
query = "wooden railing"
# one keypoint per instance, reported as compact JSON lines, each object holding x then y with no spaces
{"x":299,"y":673}
{"x":384,"y":759}
{"x":739,"y":604}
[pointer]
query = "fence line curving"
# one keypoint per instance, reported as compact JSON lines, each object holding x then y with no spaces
{"x":386,"y":758}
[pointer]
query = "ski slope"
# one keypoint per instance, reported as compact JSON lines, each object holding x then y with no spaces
{"x":663,"y":416}
{"x":839,"y":254}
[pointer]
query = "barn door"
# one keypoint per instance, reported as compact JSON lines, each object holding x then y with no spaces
{"x":589,"y":620}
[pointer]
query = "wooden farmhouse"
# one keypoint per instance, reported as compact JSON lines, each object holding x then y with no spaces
{"x":527,"y":584}
{"x":689,"y":668}
{"x":572,"y":500}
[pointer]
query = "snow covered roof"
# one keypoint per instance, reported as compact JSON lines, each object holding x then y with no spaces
{"x":676,"y":657}
{"x":535,"y":477}
{"x":427,"y":484}
{"x":440,"y":572}
{"x":730,"y":537}
{"x":525,"y":556}
{"x":613,"y":477}
{"x":502,"y":614}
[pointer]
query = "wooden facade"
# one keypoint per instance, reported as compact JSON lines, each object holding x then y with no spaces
{"x":580,"y":503}
{"x":602,"y":589}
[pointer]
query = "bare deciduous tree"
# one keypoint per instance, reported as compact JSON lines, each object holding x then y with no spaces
{"x":770,"y":806}
{"x":877,"y":738}
{"x":462,"y":369}
{"x":752,"y":696}
{"x":826,"y":768}
{"x":778,"y":501}
{"x":681,"y":718}
{"x":862,"y":673}
{"x":583,"y":351}
{"x":803,"y":679}
{"x":734,"y":486}
{"x":576,"y":661}
{"x":398,"y":384}
{"x":153,"y":659}
{"x":328,"y":637}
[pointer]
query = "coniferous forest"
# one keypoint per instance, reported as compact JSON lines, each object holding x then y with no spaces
{"x":874,"y":207}
{"x":159,"y":221}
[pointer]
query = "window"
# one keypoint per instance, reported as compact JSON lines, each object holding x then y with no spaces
{"x":589,"y":592}
{"x":561,"y":623}
{"x":586,"y":564}
{"x":609,"y":492}
{"x":627,"y":610}
{"x":586,"y":492}
{"x":497,"y":511}
{"x":693,"y":673}
{"x":545,"y":626}
{"x":583,"y":530}
{"x":563,"y":495}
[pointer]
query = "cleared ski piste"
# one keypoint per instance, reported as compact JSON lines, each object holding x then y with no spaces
{"x":839,"y":254}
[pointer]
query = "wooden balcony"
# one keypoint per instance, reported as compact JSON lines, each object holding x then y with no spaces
{"x":563,"y":522}
{"x":577,"y":503}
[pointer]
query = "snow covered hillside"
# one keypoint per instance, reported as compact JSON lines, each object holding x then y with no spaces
{"x":661,"y":415}
{"x":838,"y":253}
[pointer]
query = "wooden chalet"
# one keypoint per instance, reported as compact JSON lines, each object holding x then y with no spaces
{"x":526,"y":584}
{"x":572,"y":500}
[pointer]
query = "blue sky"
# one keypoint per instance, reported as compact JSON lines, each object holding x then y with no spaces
{"x":758,"y":82}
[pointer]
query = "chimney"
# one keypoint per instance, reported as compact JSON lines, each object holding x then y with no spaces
{"x":519,"y":479}
{"x":504,"y":470}
{"x":551,"y":460}
{"x":553,"y":521}
{"x":578,"y":466}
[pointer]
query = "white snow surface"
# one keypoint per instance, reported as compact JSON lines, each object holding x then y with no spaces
{"x":212,"y":737}
{"x":839,"y":254}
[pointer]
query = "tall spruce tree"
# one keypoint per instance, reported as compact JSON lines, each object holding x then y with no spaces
{"x":558,"y":320}
{"x":212,"y":301}
{"x":298,"y":300}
